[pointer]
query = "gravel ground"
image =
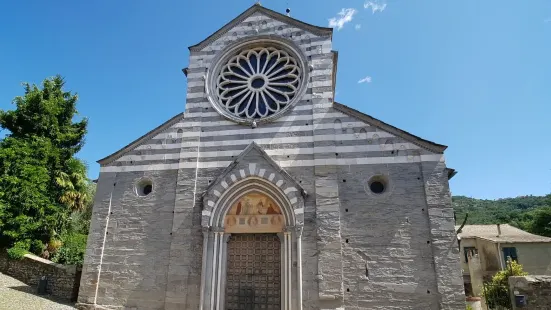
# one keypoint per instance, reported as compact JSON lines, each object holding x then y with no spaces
{"x":16,"y":295}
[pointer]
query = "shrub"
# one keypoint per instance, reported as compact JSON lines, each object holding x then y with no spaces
{"x":16,"y":253}
{"x":54,"y":245}
{"x":23,"y":244}
{"x":72,"y":250}
{"x":497,"y":291}
{"x":22,"y":247}
{"x":36,"y":247}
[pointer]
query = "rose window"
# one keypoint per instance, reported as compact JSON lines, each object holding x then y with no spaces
{"x":258,"y":82}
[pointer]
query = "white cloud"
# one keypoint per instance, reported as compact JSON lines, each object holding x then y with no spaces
{"x":366,"y":79}
{"x":344,"y":16}
{"x":358,"y":26}
{"x":375,"y":5}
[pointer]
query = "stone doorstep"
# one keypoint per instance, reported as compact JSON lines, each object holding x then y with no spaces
{"x":83,"y":306}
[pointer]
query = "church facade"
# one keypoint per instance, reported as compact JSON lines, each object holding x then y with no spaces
{"x":267,"y":194}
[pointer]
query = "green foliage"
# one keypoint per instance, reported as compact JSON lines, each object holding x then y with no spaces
{"x":496,"y":292}
{"x":530,"y":213}
{"x":41,"y":182}
{"x":47,"y":113}
{"x":16,"y":253}
{"x":80,"y":220}
{"x":36,"y":247}
{"x":72,"y":251}
{"x":19,"y":249}
{"x":73,"y":185}
{"x":468,"y":307}
{"x":27,"y":208}
{"x":541,"y":221}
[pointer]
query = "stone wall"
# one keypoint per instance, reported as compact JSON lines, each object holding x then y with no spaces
{"x":63,"y":281}
{"x":536,"y":289}
{"x":130,"y":235}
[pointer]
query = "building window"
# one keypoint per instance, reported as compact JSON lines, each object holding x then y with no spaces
{"x":144,"y":187}
{"x":377,"y":184}
{"x":510,"y":252}
{"x":259,"y":82}
{"x":467,"y":250}
{"x":377,"y":187}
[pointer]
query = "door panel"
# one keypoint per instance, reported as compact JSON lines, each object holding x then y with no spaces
{"x":253,"y":272}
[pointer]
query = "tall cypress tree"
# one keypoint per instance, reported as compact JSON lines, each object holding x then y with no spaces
{"x":41,"y":180}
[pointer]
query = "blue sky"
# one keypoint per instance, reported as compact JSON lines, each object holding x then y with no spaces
{"x":474,"y":75}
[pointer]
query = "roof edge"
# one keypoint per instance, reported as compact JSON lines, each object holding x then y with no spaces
{"x":513,"y":240}
{"x":109,"y":159}
{"x":451,"y":173}
{"x":426,"y":144}
{"x":321,"y":31}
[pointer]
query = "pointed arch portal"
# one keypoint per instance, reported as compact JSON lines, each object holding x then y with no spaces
{"x":252,"y":246}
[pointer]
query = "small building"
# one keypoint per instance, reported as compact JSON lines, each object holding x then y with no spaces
{"x":494,"y":243}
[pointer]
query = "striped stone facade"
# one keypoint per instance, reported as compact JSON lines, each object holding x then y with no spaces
{"x":348,"y":247}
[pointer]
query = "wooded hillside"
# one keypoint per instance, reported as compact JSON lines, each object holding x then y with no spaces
{"x":530,"y":213}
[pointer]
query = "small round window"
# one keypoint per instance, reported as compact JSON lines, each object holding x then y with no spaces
{"x":378,"y":184}
{"x":144,"y":187}
{"x":377,"y":187}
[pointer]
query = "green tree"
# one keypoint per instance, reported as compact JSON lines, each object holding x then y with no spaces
{"x":529,"y":213}
{"x":541,"y":222}
{"x":41,"y":182}
{"x":496,"y":292}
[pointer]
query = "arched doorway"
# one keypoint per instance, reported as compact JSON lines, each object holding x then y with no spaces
{"x":250,"y":236}
{"x":253,"y":272}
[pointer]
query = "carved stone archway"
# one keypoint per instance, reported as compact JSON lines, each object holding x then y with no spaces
{"x":252,"y":173}
{"x":221,"y":225}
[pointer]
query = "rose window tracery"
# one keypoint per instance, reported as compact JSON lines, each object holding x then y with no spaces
{"x":258,"y":82}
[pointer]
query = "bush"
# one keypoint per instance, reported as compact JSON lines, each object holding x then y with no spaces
{"x":72,"y":250}
{"x":22,"y":247}
{"x":36,"y":247}
{"x":54,"y":245}
{"x":496,"y":292}
{"x":16,"y":253}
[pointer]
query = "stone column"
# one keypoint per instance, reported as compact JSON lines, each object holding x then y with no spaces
{"x":206,"y":232}
{"x":299,"y":267}
{"x":443,"y":238}
{"x":219,"y":260}
{"x":477,"y":283}
{"x":224,"y":265}
{"x":330,"y":275}
{"x":289,"y":264}
{"x":286,"y":268}
{"x":283,"y":272}
{"x":183,"y":278}
{"x":326,"y":171}
{"x":216,"y":243}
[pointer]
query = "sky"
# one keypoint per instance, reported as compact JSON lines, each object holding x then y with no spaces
{"x":473,"y":75}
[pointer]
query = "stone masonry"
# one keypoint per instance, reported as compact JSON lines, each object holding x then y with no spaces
{"x":347,"y":247}
{"x":63,"y":281}
{"x":535,"y":289}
